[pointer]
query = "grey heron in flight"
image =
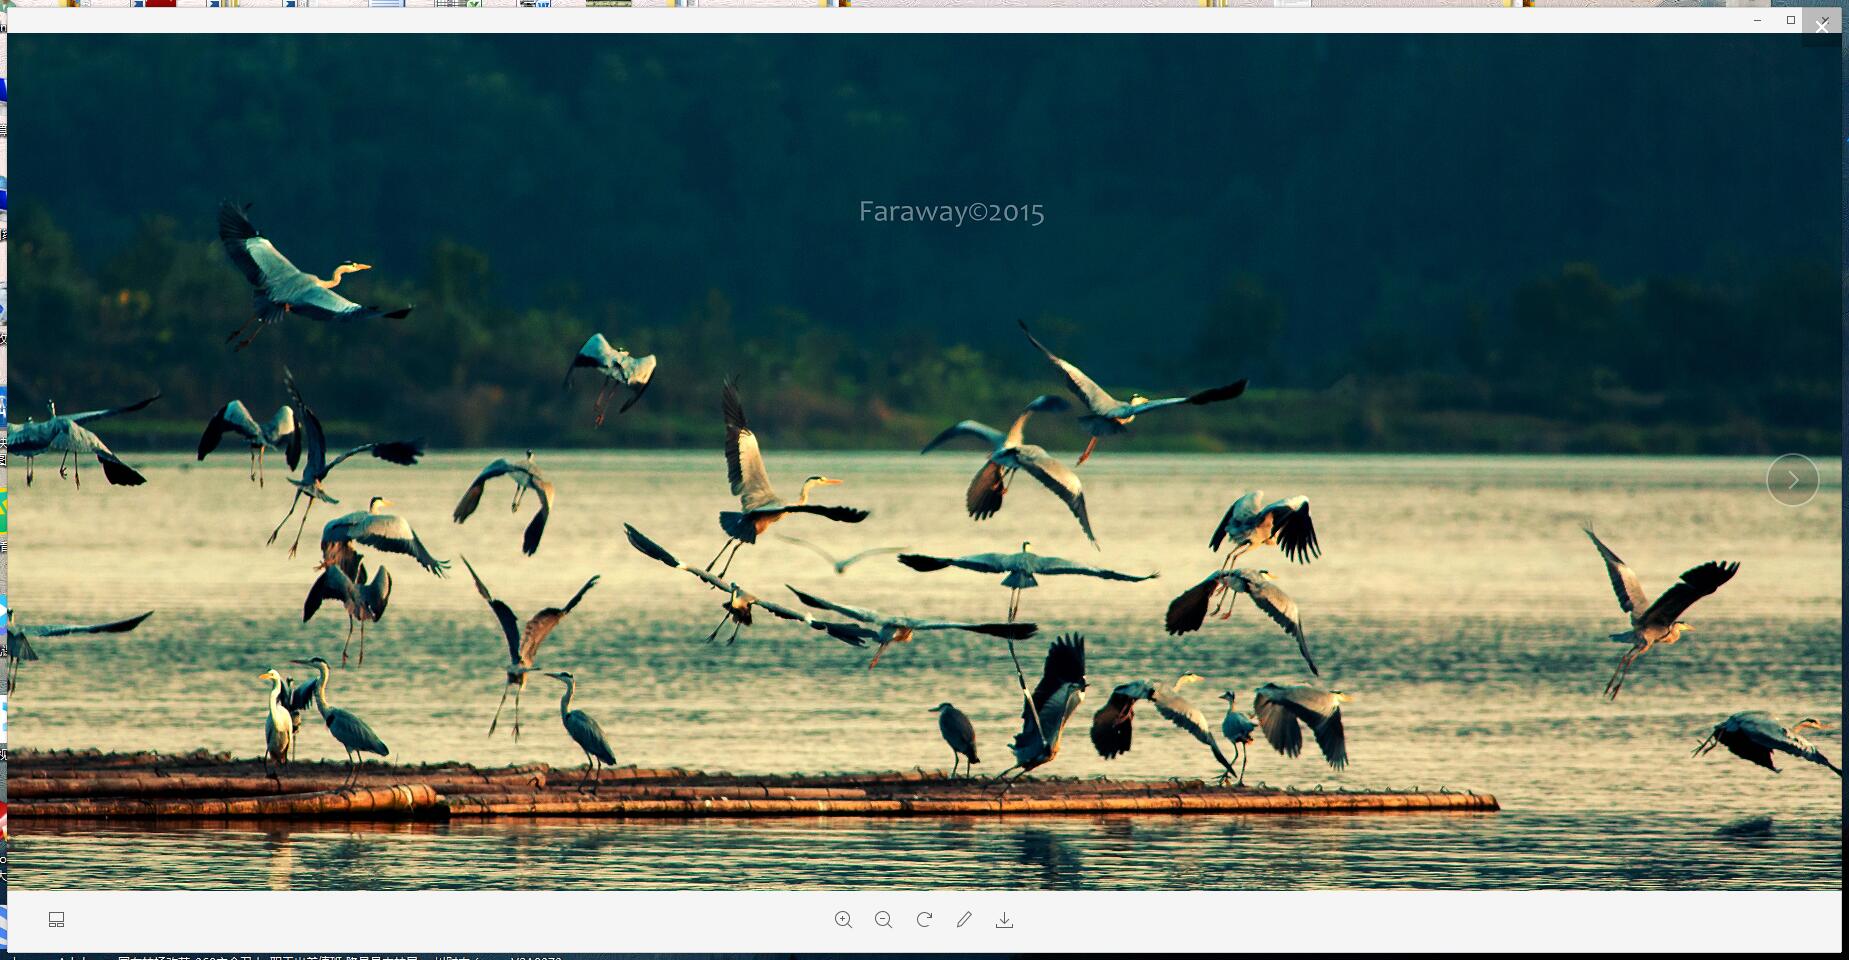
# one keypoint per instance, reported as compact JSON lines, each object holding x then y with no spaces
{"x":375,"y":528}
{"x":1754,"y":735}
{"x":280,"y":288}
{"x":585,"y":731}
{"x":1187,"y":612}
{"x":620,"y":370}
{"x":68,"y":436}
{"x":1285,"y":524}
{"x":352,"y":733}
{"x":1111,"y":726}
{"x":344,"y":581}
{"x":311,"y":485}
{"x":1009,"y":452}
{"x":1237,"y":728}
{"x":526,"y":477}
{"x":19,"y":637}
{"x":1106,"y":415}
{"x":278,"y":433}
{"x":1655,"y":623}
{"x":839,"y":563}
{"x":278,"y":726}
{"x":739,"y":602}
{"x":522,"y":642}
{"x":1021,"y":569}
{"x":1281,"y":709}
{"x":761,"y":506}
{"x":893,"y":628}
{"x":959,"y":733}
{"x":1055,"y":700}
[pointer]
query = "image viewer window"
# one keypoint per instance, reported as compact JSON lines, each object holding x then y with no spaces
{"x":908,"y":479}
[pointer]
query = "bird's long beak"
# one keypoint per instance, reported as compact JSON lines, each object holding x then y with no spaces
{"x":829,"y":482}
{"x":362,"y":266}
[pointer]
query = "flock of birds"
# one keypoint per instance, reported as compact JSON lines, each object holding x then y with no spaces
{"x":1280,"y":711}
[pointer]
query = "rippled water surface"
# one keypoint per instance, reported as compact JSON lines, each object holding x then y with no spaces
{"x":1456,"y":598}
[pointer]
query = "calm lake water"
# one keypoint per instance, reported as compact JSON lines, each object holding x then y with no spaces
{"x":1456,"y":599}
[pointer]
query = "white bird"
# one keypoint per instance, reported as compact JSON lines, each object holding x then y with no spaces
{"x":1008,"y":453}
{"x":278,"y":726}
{"x":1055,"y":700}
{"x":384,"y":531}
{"x":526,"y":477}
{"x":1280,"y":709}
{"x":1111,"y":726}
{"x":312,"y":484}
{"x":522,"y":643}
{"x":67,"y":436}
{"x":1187,"y":612}
{"x":280,"y":288}
{"x":1754,"y":735}
{"x":760,"y":505}
{"x":839,"y":563}
{"x":1654,"y":623}
{"x":897,"y":629}
{"x":739,"y":602}
{"x":1237,"y":729}
{"x":617,"y":367}
{"x":277,"y":434}
{"x":1283,"y":523}
{"x":1021,"y":569}
{"x":1106,"y":415}
{"x":19,"y":636}
{"x":344,"y":581}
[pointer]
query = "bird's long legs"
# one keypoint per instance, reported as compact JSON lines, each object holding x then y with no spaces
{"x":253,"y":334}
{"x":1616,"y":683}
{"x":590,"y":766}
{"x":63,"y":460}
{"x":519,"y":491}
{"x":77,"y":474}
{"x":29,"y":470}
{"x":362,"y":643}
{"x":298,"y":532}
{"x":233,"y":335}
{"x":353,"y":770}
{"x":498,"y":708}
{"x":603,"y":400}
{"x":344,"y":646}
{"x":1089,"y":447}
{"x":735,"y":544}
{"x":1014,"y":604}
{"x":285,"y":519}
{"x":954,"y":758}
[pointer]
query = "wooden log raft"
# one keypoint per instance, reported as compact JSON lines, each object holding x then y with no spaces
{"x":85,"y":785}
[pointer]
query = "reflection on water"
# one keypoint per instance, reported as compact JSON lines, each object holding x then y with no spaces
{"x":1456,"y":598}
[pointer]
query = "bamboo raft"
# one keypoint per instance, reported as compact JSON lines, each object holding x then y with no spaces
{"x":97,"y":786}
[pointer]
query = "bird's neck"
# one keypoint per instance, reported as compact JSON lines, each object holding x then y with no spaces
{"x":334,"y":281}
{"x":321,"y":703}
{"x":565,"y":701}
{"x":1017,"y":430}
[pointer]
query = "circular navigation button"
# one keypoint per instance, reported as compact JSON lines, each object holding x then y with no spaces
{"x":1792,"y":479}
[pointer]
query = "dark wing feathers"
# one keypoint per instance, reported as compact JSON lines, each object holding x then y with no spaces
{"x":1298,"y":537}
{"x":1111,"y":726}
{"x":1065,"y":663}
{"x":1695,"y":584}
{"x":1217,"y":394}
{"x":984,"y":499}
{"x":1187,"y":612}
{"x":829,"y":511}
{"x":510,"y":624}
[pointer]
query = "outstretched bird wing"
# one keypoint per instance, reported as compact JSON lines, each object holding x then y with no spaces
{"x":744,"y":464}
{"x":1112,"y":726}
{"x":1176,"y":709}
{"x":1187,"y":612}
{"x":1623,"y":581}
{"x":67,"y":629}
{"x":1296,"y":531}
{"x":1060,"y":479}
{"x":543,"y":622}
{"x":233,"y":417}
{"x":510,"y":624}
{"x":1278,"y":605}
{"x":857,"y":613}
{"x":1242,"y":509}
{"x":979,"y":562}
{"x":990,"y":436}
{"x":1197,"y":398}
{"x":1060,"y":565}
{"x":1695,"y":584}
{"x":472,"y":497}
{"x":1089,"y":393}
